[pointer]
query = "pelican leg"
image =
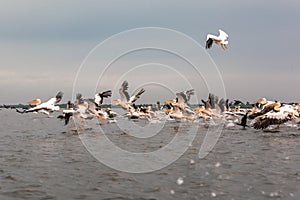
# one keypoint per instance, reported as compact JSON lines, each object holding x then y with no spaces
{"x":223,"y":46}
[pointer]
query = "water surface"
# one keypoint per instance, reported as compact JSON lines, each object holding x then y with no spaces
{"x":43,"y":159}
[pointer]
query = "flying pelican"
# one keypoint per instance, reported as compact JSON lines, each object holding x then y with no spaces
{"x":275,"y":117}
{"x":219,"y":40}
{"x":182,"y":99}
{"x":126,"y":101}
{"x":46,"y":106}
{"x":68,"y":113}
{"x":100,"y":96}
{"x":180,"y":106}
{"x":83,"y":108}
{"x":266,"y":108}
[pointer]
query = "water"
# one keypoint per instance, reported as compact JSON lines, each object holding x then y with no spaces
{"x":42,"y":159}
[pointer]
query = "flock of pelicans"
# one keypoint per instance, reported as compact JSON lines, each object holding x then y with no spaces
{"x":263,"y":114}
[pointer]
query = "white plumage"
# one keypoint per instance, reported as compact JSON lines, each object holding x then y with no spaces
{"x":221,"y":40}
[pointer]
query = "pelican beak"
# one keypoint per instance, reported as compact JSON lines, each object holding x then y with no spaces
{"x":115,"y":102}
{"x":172,"y":101}
{"x":261,"y":116}
{"x":261,"y":101}
{"x":167,"y":111}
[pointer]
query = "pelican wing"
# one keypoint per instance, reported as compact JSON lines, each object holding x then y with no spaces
{"x":212,"y":100}
{"x":222,"y":105}
{"x":271,"y":119}
{"x":181,"y":98}
{"x":189,"y":93}
{"x":209,"y":43}
{"x":263,"y":112}
{"x":137,"y":96}
{"x":100,"y":96}
{"x":223,"y":36}
{"x":98,"y":100}
{"x":212,"y":37}
{"x":79,"y":99}
{"x":106,"y":94}
{"x":123,"y":92}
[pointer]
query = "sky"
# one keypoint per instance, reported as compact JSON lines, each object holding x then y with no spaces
{"x":50,"y":46}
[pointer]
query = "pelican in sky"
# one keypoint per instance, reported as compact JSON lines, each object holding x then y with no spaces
{"x":126,"y":100}
{"x":219,"y":40}
{"x":45,"y":107}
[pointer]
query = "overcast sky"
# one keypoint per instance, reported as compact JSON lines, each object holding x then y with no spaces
{"x":43,"y":44}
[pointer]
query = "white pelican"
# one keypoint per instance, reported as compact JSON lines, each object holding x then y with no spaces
{"x":100,"y":96}
{"x":263,"y":102}
{"x":45,"y":107}
{"x":273,"y":117}
{"x":182,"y":99}
{"x":179,"y":108}
{"x":82,"y":107}
{"x":126,"y":100}
{"x":267,"y":107}
{"x":219,"y":40}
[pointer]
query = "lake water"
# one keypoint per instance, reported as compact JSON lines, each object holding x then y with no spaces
{"x":43,"y":159}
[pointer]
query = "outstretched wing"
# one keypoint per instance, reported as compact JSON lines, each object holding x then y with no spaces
{"x":106,"y":94}
{"x":223,"y":36}
{"x":209,"y":43}
{"x":137,"y":96}
{"x":275,"y":119}
{"x":264,"y":111}
{"x":212,"y":100}
{"x":189,"y":93}
{"x":100,"y":96}
{"x":181,"y":98}
{"x":123,"y":92}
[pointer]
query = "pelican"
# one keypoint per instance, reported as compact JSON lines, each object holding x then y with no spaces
{"x":267,"y":107}
{"x":179,"y":107}
{"x":100,"y":96}
{"x":182,"y":99}
{"x":126,"y":101}
{"x":275,"y":117}
{"x":82,"y":107}
{"x":45,"y":107}
{"x":219,"y":40}
{"x":68,"y":113}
